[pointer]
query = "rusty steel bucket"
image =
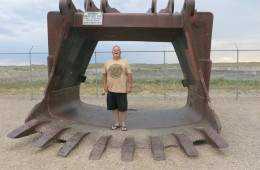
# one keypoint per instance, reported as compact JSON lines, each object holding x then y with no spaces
{"x":61,"y":115}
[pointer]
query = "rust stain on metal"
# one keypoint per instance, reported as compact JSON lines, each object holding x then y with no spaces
{"x":213,"y":138}
{"x":187,"y":146}
{"x":26,"y":129}
{"x":128,"y":149}
{"x":99,"y":148}
{"x":49,"y":138}
{"x":71,"y":144}
{"x":157,"y":148}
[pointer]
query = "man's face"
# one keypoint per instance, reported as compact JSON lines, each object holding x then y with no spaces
{"x":116,"y":52}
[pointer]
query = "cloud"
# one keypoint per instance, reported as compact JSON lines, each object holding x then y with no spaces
{"x":24,"y":23}
{"x":8,"y":62}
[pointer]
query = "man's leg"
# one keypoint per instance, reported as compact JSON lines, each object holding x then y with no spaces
{"x":122,"y":106}
{"x":112,"y":105}
{"x":123,"y":116}
{"x":116,"y":117}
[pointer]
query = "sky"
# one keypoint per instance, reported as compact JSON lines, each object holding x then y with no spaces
{"x":24,"y":24}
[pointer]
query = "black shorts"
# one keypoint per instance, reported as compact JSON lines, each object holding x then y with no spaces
{"x":117,"y":101}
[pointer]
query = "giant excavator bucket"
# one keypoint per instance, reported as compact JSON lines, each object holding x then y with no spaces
{"x":61,"y":115}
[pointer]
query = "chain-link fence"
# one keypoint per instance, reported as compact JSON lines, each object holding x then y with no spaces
{"x":235,"y":72}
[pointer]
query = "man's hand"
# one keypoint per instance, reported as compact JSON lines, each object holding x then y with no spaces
{"x":129,"y":90}
{"x":105,"y":88}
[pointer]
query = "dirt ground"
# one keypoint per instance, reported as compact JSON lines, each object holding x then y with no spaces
{"x":240,"y":128}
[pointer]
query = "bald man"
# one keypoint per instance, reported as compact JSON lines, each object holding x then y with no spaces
{"x":117,"y":83}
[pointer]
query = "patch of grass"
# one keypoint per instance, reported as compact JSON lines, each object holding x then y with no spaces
{"x":222,"y":83}
{"x":22,"y":87}
{"x":147,"y":80}
{"x":155,"y":86}
{"x":233,"y":66}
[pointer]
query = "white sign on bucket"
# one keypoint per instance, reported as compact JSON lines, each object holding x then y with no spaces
{"x":92,"y":18}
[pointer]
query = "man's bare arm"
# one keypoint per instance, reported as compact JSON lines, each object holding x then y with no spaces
{"x":129,"y":82}
{"x":104,"y":79}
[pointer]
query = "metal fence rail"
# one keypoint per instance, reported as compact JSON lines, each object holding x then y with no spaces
{"x":155,"y":72}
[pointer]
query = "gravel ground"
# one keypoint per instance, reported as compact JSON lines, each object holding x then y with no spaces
{"x":240,"y":128}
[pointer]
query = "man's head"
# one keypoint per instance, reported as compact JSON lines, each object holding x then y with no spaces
{"x":116,"y":51}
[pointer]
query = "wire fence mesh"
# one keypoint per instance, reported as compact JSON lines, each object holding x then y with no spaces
{"x":155,"y":72}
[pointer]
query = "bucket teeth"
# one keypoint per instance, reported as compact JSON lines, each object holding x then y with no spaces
{"x":48,"y":138}
{"x":213,"y":138}
{"x":157,"y":148}
{"x":26,"y":129}
{"x":71,"y":144}
{"x":128,"y":149}
{"x":99,"y":148}
{"x":186,"y":144}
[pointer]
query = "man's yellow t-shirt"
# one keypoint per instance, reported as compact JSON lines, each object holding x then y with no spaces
{"x":117,"y":71}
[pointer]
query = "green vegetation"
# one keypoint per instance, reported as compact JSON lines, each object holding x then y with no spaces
{"x":152,"y":86}
{"x":222,"y":83}
{"x":147,"y":78}
{"x":22,"y":87}
{"x":215,"y":66}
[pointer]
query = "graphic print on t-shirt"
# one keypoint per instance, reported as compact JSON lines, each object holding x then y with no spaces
{"x":115,"y":70}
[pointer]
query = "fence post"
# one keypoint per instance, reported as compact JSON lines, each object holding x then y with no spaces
{"x":96,"y":74}
{"x":30,"y":60}
{"x":164,"y":77}
{"x":237,"y":86}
